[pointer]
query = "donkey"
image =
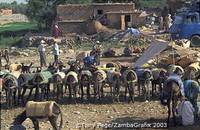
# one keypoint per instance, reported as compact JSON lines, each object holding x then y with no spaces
{"x":57,"y":80}
{"x":71,"y":80}
{"x":10,"y":85}
{"x":171,"y":93}
{"x":130,"y":79}
{"x":115,"y":81}
{"x":85,"y":80}
{"x":25,"y":81}
{"x":159,"y":77}
{"x":99,"y":82}
{"x":51,"y":114}
{"x":26,"y":68}
{"x":193,"y":72}
{"x":42,"y":82}
{"x":144,"y":79}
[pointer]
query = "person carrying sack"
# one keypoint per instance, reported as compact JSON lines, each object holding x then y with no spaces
{"x":186,"y":111}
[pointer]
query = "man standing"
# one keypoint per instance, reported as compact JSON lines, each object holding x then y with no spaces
{"x":97,"y":52}
{"x":41,"y":50}
{"x":56,"y":52}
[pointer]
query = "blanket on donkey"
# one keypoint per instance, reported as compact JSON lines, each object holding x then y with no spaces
{"x":177,"y":79}
{"x":44,"y":76}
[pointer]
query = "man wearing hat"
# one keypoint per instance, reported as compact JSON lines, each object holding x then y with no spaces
{"x":41,"y":50}
{"x":96,"y":52}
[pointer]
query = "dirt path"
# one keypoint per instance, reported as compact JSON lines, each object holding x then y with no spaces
{"x":99,"y":114}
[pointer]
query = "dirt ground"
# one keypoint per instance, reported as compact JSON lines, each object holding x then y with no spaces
{"x":96,"y":114}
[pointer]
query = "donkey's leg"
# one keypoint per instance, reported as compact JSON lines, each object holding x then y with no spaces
{"x":22,"y":95}
{"x":37,"y":92}
{"x":148,"y":90}
{"x":82,"y":92}
{"x":95,"y":87}
{"x":139,"y":84}
{"x":53,"y":122}
{"x":88,"y":91}
{"x":48,"y":91}
{"x":160,"y":87}
{"x":101,"y":90}
{"x":7,"y":98}
{"x":169,"y":111}
{"x":126,"y":87}
{"x":30,"y":93}
{"x":118,"y":93}
{"x":131,"y":92}
{"x":111,"y":90}
{"x":70,"y":91}
{"x":173,"y":111}
{"x":14,"y":97}
{"x":35,"y":123}
{"x":61,"y":90}
{"x":19,"y":94}
{"x":153,"y":88}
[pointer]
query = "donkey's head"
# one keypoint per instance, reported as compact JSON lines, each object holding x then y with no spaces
{"x":147,"y":75}
{"x":162,"y":76}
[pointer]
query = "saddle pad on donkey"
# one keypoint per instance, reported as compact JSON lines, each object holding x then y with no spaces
{"x":177,"y":79}
{"x":44,"y":75}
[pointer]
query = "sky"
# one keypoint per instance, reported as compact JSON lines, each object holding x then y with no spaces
{"x":9,"y":1}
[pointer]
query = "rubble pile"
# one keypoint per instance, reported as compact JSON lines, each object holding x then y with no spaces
{"x":183,"y":56}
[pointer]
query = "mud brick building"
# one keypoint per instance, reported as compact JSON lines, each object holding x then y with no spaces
{"x":78,"y":17}
{"x":6,"y":11}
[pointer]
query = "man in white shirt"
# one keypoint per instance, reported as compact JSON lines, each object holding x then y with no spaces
{"x":41,"y":50}
{"x":56,"y":52}
{"x":186,"y":111}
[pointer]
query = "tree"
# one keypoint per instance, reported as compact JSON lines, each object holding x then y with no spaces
{"x":43,"y":11}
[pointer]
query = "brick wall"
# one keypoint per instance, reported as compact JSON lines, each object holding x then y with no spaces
{"x":84,"y":11}
{"x":71,"y":27}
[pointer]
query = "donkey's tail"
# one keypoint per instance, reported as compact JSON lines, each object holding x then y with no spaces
{"x":20,"y":118}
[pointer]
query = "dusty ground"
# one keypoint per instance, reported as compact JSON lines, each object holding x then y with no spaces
{"x":99,"y":114}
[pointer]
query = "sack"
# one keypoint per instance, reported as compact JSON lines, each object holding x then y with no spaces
{"x":40,"y":109}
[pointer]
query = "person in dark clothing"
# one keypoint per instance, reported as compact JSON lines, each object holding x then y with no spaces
{"x":96,"y":52}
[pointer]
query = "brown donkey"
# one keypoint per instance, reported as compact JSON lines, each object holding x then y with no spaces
{"x":171,"y":93}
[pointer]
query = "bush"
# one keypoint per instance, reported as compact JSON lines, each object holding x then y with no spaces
{"x":9,"y":41}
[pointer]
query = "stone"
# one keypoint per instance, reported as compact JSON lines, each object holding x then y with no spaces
{"x":76,"y":112}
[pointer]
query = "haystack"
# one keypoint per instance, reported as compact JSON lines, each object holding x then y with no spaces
{"x":41,"y":109}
